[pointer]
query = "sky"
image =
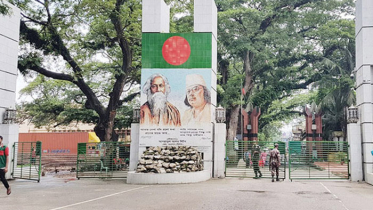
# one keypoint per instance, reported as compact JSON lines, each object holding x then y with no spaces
{"x":21,"y":83}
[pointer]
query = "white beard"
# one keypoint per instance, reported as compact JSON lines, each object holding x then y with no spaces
{"x":157,"y":102}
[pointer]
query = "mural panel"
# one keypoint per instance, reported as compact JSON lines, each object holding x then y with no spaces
{"x":175,"y":107}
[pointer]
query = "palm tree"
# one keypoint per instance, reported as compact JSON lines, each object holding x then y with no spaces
{"x":333,"y":106}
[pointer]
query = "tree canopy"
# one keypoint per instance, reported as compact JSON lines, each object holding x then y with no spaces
{"x":91,"y":47}
{"x":4,"y":9}
{"x":279,"y":47}
{"x":87,"y":57}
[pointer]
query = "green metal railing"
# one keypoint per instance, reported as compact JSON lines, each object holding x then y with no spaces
{"x":318,"y":160}
{"x":26,"y":160}
{"x":237,"y":163}
{"x":102,"y":160}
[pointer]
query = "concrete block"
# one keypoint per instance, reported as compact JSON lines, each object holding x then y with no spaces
{"x":10,"y":24}
{"x":205,"y":16}
{"x":219,"y":148}
{"x":214,"y":52}
{"x":364,"y":94}
{"x":354,"y":140}
{"x":213,"y":97}
{"x":168,"y":178}
{"x":8,"y":99}
{"x":155,"y":16}
{"x":213,"y":80}
{"x":165,"y":18}
{"x":367,"y":148}
{"x":134,"y":154}
{"x":364,"y":15}
{"x":366,"y":113}
{"x":8,"y":81}
{"x":369,"y":178}
{"x":364,"y":75}
{"x":364,"y":47}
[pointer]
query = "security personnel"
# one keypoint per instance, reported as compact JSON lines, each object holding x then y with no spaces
{"x":255,"y":159}
{"x":274,"y":162}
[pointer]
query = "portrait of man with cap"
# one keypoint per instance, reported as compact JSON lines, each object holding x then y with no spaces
{"x":198,"y":99}
{"x":157,"y":110}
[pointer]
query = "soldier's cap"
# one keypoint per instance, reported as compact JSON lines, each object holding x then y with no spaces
{"x":276,"y":145}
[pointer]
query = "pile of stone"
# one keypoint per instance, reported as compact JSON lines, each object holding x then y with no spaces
{"x":170,"y":159}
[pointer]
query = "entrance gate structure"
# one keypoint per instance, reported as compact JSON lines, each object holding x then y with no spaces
{"x":239,"y":163}
{"x":102,"y":160}
{"x":26,"y":160}
{"x":318,"y":160}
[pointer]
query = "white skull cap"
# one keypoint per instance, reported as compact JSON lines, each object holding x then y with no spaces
{"x":194,"y":79}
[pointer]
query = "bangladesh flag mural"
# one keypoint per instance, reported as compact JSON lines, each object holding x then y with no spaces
{"x":176,"y":50}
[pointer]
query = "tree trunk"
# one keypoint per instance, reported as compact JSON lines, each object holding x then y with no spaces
{"x":105,"y":129}
{"x":247,"y":86}
{"x":233,"y":122}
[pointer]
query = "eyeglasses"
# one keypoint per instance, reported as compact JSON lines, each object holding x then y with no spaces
{"x":193,"y":89}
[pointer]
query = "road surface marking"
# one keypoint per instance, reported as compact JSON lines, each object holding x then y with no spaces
{"x":95,"y":199}
{"x":334,"y":196}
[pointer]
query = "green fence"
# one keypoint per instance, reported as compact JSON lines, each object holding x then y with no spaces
{"x":102,"y":160}
{"x":240,"y":158}
{"x":26,"y":160}
{"x":318,"y":160}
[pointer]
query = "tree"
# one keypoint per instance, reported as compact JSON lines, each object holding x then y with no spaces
{"x":92,"y":46}
{"x":335,"y":89}
{"x":4,"y":8}
{"x":333,"y":104}
{"x":279,"y":46}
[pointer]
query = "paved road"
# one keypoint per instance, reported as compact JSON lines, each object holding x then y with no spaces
{"x":229,"y":193}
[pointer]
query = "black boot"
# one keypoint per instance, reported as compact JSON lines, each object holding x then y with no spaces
{"x":273,"y":179}
{"x":256,"y":175}
{"x":260,"y":174}
{"x":277,"y":179}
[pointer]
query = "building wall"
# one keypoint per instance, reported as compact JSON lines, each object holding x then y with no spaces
{"x":9,"y":36}
{"x":28,"y":127}
{"x":56,"y":143}
{"x":364,"y":83}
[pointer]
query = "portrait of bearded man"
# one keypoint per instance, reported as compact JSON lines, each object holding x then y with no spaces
{"x":157,"y":110}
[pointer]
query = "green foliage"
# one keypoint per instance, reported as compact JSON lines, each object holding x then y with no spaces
{"x":270,"y":132}
{"x":181,"y":15}
{"x":92,"y":51}
{"x":283,"y":47}
{"x":4,"y":8}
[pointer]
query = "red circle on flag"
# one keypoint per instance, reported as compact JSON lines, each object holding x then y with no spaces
{"x":176,"y":50}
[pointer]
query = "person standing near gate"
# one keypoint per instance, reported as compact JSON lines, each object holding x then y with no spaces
{"x":247,"y":159}
{"x":255,"y":159}
{"x":274,"y":162}
{"x":4,"y":152}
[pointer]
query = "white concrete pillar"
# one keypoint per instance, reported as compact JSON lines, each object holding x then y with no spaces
{"x":354,"y":140}
{"x":205,"y":16}
{"x":155,"y":16}
{"x":206,"y":21}
{"x":9,"y":36}
{"x":134,"y":148}
{"x":219,"y":149}
{"x":364,"y":81}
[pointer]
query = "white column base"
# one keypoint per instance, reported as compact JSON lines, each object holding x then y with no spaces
{"x":168,"y":178}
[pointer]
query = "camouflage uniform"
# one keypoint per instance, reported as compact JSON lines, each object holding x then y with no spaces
{"x":274,"y":162}
{"x":255,"y":159}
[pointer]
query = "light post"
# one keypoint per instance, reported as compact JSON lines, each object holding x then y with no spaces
{"x":352,"y":115}
{"x":10,"y":116}
{"x":136,"y":115}
{"x":220,"y":114}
